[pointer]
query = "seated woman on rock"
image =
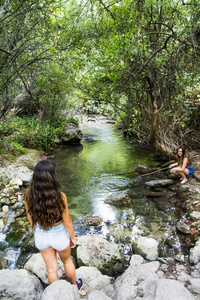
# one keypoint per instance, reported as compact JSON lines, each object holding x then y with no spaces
{"x":184,"y":165}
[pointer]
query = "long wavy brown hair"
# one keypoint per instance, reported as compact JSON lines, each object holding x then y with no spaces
{"x":181,"y":158}
{"x":44,"y":198}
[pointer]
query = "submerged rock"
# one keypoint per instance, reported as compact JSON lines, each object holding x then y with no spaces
{"x":144,"y":170}
{"x":93,"y":220}
{"x":118,"y":199}
{"x":159,"y":183}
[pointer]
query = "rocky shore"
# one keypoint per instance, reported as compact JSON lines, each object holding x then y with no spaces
{"x":107,"y":273}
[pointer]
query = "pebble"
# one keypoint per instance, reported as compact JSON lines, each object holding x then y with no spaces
{"x":5,"y":208}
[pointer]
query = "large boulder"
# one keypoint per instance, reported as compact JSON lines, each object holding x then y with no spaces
{"x":19,"y":284}
{"x":61,"y":290}
{"x":71,"y":135}
{"x":166,"y":289}
{"x":95,"y":251}
{"x":133,"y":281}
{"x":146,"y":247}
{"x":36,"y":265}
{"x":94,"y":281}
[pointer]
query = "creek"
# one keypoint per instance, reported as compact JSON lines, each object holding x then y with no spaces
{"x":103,"y":165}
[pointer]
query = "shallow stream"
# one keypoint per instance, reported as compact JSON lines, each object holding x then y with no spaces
{"x":102,"y":165}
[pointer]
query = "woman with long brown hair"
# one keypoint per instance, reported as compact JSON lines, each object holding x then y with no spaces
{"x":48,"y":214}
{"x":183,"y":166}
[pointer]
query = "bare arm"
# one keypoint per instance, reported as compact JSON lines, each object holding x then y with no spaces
{"x":68,"y":222}
{"x":173,"y":165}
{"x":185,"y":161}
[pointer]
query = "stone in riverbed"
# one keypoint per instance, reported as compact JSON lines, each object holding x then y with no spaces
{"x":144,"y":170}
{"x":194,"y":256}
{"x":195,"y":215}
{"x":166,"y":289}
{"x":118,"y":199}
{"x":16,"y":181}
{"x":97,"y":252}
{"x":146,"y":247}
{"x":94,"y":280}
{"x":71,"y":135}
{"x":93,"y":220}
{"x":21,"y":172}
{"x":61,"y":290}
{"x":36,"y":265}
{"x":183,"y":227}
{"x":159,"y":183}
{"x":5,"y":201}
{"x":19,"y":284}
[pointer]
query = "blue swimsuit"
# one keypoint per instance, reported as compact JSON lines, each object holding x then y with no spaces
{"x":190,"y":169}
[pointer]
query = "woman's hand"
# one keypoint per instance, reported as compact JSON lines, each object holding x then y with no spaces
{"x":73,"y":243}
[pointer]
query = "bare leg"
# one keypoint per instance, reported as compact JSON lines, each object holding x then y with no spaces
{"x":182,"y":174}
{"x":50,"y":259}
{"x":68,"y":264}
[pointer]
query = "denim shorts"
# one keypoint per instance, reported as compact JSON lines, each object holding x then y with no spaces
{"x":56,"y":237}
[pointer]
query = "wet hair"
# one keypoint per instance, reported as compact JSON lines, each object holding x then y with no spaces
{"x":44,"y":198}
{"x":181,"y":158}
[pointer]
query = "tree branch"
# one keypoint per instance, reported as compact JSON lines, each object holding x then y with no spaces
{"x":106,"y":8}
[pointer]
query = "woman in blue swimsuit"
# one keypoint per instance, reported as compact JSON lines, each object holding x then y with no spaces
{"x":183,"y":166}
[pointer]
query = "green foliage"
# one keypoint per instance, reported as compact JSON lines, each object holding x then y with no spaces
{"x":30,"y":133}
{"x":16,"y":148}
{"x":114,"y":57}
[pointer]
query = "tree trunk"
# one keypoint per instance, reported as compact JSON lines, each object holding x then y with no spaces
{"x":154,"y":121}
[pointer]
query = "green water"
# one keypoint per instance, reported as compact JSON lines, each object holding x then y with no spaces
{"x":92,"y":171}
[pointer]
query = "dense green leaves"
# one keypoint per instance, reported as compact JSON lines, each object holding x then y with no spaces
{"x":132,"y":59}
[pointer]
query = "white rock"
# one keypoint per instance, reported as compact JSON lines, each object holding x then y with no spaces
{"x":194,"y":285}
{"x":166,"y":289}
{"x":194,"y":256}
{"x":94,"y":281}
{"x":61,"y":290}
{"x":136,"y":260}
{"x":147,"y":247}
{"x":16,"y":181}
{"x":98,"y":295}
{"x":37,"y":266}
{"x":19,"y":284}
{"x":5,"y":208}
